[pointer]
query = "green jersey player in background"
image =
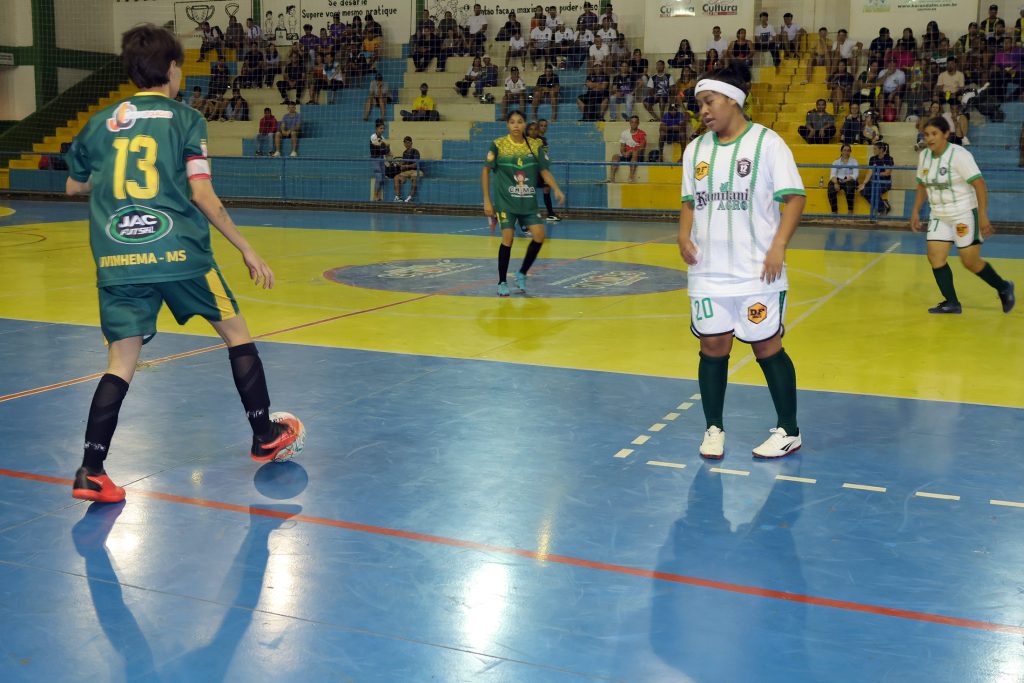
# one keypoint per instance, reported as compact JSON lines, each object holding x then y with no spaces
{"x":143,"y":163}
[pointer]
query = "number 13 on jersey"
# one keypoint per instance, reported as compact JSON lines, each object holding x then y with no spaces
{"x":149,"y":187}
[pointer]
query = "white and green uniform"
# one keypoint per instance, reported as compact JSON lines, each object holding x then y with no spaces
{"x":953,"y":203}
{"x":735,"y":188}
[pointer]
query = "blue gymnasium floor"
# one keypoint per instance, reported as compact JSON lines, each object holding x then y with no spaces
{"x":477,"y":519}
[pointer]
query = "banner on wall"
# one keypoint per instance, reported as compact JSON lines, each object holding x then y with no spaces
{"x":284,"y":19}
{"x":189,"y":15}
{"x":951,"y":16}
{"x":630,"y":13}
{"x":669,"y":21}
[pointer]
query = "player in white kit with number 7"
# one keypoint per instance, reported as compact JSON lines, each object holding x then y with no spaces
{"x":734,"y":240}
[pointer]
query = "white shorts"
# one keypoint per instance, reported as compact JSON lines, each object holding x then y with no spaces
{"x":963,"y":231}
{"x":751,"y":318}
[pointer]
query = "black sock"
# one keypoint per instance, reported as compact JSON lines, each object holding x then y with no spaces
{"x":247,"y":369}
{"x":504,"y":256}
{"x":713,"y":378}
{"x":531,"y":255}
{"x":547,"y":203}
{"x":781,"y":375}
{"x":944,"y":279}
{"x":99,"y":430}
{"x":991,"y":277}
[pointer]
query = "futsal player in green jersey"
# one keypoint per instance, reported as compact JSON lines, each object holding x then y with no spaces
{"x":517,"y":162}
{"x":143,"y":164}
{"x":950,"y":179}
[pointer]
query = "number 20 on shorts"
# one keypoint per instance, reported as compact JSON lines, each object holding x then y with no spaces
{"x":702,"y":309}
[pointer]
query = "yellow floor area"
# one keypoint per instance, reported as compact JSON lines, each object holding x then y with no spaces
{"x":857,"y":321}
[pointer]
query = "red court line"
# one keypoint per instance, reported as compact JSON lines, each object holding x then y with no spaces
{"x":195,"y":352}
{"x":567,"y":560}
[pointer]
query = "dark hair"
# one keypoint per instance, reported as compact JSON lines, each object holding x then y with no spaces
{"x":735,"y":74}
{"x":762,"y":14}
{"x":844,"y":146}
{"x":515,"y":112}
{"x":939,"y":122}
{"x":147,"y":52}
{"x":266,"y":110}
{"x":378,"y":122}
{"x":407,"y":139}
{"x":787,"y":15}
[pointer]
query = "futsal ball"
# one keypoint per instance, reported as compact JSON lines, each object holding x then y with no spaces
{"x":293,"y":449}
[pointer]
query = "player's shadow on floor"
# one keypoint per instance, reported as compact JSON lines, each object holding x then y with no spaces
{"x":281,"y":480}
{"x":238,"y":597}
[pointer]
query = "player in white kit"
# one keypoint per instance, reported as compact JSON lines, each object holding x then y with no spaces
{"x":951,"y":180}
{"x":734,"y":240}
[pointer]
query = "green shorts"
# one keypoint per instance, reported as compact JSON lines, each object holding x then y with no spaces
{"x":131,"y":310}
{"x":507,"y":221}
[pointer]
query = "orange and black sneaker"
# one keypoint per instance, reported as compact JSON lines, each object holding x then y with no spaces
{"x":96,"y":487}
{"x":286,"y":439}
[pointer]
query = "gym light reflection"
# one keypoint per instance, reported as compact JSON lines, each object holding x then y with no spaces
{"x":485,"y":603}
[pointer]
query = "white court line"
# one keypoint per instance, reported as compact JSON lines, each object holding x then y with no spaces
{"x":660,"y":463}
{"x":684,"y":406}
{"x":624,"y":453}
{"x":865,"y":487}
{"x":671,"y":416}
{"x":695,"y":397}
{"x":723,"y":470}
{"x":746,"y":360}
{"x":657,"y":427}
{"x":799,"y":480}
{"x":640,"y":440}
{"x":939,"y":496}
{"x":1006,"y":503}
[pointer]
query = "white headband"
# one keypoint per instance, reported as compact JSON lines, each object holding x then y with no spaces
{"x":731,"y":91}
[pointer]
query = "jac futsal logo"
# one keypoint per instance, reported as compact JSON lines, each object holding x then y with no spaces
{"x":701,"y":171}
{"x":757,"y":313}
{"x":520,"y":189}
{"x":138,"y":225}
{"x":962,"y":229}
{"x":126,"y":114}
{"x":743,"y":167}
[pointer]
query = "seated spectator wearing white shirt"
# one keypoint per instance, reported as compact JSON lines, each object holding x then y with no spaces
{"x":540,"y":44}
{"x":790,"y":35}
{"x":597,"y":55}
{"x":843,"y":178}
{"x":632,"y":146}
{"x":476,"y":31}
{"x":845,"y":49}
{"x":563,"y":45}
{"x":765,"y":39}
{"x":893,"y":80}
{"x":515,"y":92}
{"x":718,"y":42}
{"x":612,"y":18}
{"x":553,"y":19}
{"x":584,"y":41}
{"x":607,"y":33}
{"x":516,"y":48}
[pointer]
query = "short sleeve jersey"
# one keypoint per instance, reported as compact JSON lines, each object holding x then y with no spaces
{"x":517,"y":168}
{"x":947,"y":179}
{"x":143,"y":226}
{"x":734,"y":188}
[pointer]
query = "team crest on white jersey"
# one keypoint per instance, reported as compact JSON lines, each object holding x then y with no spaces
{"x":701,"y":171}
{"x":743,"y":167}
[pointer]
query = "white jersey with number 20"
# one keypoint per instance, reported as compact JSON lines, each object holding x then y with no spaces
{"x":735,"y":188}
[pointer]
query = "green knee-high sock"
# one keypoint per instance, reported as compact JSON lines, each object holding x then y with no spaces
{"x":781,"y":376}
{"x":944,"y":279}
{"x":713,"y":377}
{"x":991,"y":277}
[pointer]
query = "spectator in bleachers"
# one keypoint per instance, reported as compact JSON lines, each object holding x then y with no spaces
{"x":712,"y":61}
{"x":843,"y":178}
{"x":845,"y":48}
{"x":450,"y":46}
{"x":606,"y":32}
{"x":553,"y":20}
{"x":931,"y":111}
{"x":959,"y":124}
{"x":588,"y":20}
{"x":372,"y":28}
{"x":992,"y":22}
{"x":905,"y":51}
{"x":237,"y":108}
{"x":271,"y":65}
{"x":488,"y":79}
{"x":380,"y":151}
{"x":880,"y":47}
{"x":741,"y":50}
{"x":930,"y":38}
{"x":289,"y":127}
{"x":425,"y":21}
{"x":671,"y":130}
{"x":213,"y":39}
{"x":584,"y":41}
{"x":659,"y":91}
{"x":354,"y":33}
{"x":853,"y":125}
{"x":326,"y":47}
{"x":220,"y":80}
{"x":632,"y":147}
{"x":866,"y":87}
{"x":821,"y":55}
{"x":336,"y":29}
{"x":378,"y":96}
{"x":766,"y":40}
{"x":265,"y":136}
{"x":309,"y":44}
{"x":1006,"y":68}
{"x":547,"y":90}
{"x":870,"y":130}
{"x":448,"y":23}
{"x":516,"y":48}
{"x":916,"y":90}
{"x":638,"y":64}
{"x":253,"y":37}
{"x":473,"y":74}
{"x":593,"y":103}
{"x":938,"y":59}
{"x":423,"y":108}
{"x":893,"y":80}
{"x":995,"y":42}
{"x":252,"y":68}
{"x":790,"y":35}
{"x":423,"y":48}
{"x":510,"y":26}
{"x":372,"y":40}
{"x":878,"y":180}
{"x":197,"y":101}
{"x":819,"y":126}
{"x":538,"y":19}
{"x":540,"y":44}
{"x":476,"y":31}
{"x":970,"y":48}
{"x":597,"y":56}
{"x":609,"y":14}
{"x":317,"y":79}
{"x":950,"y":83}
{"x":618,"y":51}
{"x":623,"y":92}
{"x":515,"y":93}
{"x":718,"y":43}
{"x":335,"y":79}
{"x":684,"y":58}
{"x":214,"y":110}
{"x":841,"y":84}
{"x":563,"y":45}
{"x":1018,"y":26}
{"x":294,"y":77}
{"x":408,"y":169}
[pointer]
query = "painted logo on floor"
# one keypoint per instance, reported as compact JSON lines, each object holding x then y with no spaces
{"x":551,"y":278}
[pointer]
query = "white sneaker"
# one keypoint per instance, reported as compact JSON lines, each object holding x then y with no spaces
{"x":397,"y":199}
{"x":275,"y":154}
{"x":713,"y":445}
{"x":965,"y":142}
{"x":778,"y":445}
{"x":407,"y":199}
{"x":294,"y":154}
